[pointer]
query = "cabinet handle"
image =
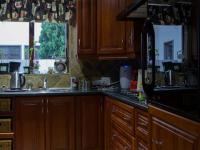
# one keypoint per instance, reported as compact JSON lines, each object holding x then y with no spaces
{"x":131,"y":37}
{"x":126,"y":118}
{"x":114,"y":110}
{"x":142,"y":123}
{"x":47,"y":106}
{"x":122,"y":43}
{"x":42,"y":106}
{"x":113,"y":136}
{"x":79,"y":42}
{"x":157,"y":142}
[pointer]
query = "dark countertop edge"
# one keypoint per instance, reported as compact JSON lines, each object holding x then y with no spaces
{"x":175,"y":111}
{"x":117,"y":96}
{"x":127,"y":100}
{"x":69,"y":93}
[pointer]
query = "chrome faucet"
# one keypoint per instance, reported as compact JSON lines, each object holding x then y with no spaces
{"x":45,"y":83}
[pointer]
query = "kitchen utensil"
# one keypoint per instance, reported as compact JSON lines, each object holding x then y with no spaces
{"x":17,"y":80}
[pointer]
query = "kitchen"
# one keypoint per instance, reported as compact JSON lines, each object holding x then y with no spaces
{"x":46,"y":114}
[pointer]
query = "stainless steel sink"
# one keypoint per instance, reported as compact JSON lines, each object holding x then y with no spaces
{"x":47,"y":90}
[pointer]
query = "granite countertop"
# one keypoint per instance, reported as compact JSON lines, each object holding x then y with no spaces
{"x":130,"y":100}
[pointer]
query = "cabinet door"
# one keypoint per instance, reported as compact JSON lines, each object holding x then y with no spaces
{"x":168,"y":137}
{"x":120,"y":140}
{"x":89,"y":123}
{"x":60,"y":123}
{"x":29,"y":123}
{"x":107,"y":122}
{"x":110,"y":32}
{"x":86,"y":17}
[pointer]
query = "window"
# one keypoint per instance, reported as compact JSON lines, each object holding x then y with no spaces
{"x":49,"y":40}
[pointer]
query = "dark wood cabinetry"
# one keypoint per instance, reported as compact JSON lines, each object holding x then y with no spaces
{"x":89,"y":117}
{"x":30,"y":124}
{"x":111,"y":33}
{"x":44,"y":123}
{"x":100,"y":35}
{"x":59,"y":122}
{"x":119,"y":125}
{"x":6,"y":123}
{"x":172,"y":132}
{"x":142,"y":129}
{"x":86,"y":14}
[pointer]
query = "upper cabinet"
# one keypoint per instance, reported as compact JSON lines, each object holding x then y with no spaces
{"x":86,"y":27}
{"x":111,"y":33}
{"x":101,"y":35}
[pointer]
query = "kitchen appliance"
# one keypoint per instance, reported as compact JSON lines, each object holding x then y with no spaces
{"x":17,"y":80}
{"x":125,"y":77}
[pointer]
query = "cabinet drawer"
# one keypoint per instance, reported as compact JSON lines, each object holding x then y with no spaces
{"x":5,"y":104}
{"x":5,"y":144}
{"x":141,"y":144}
{"x":120,"y":140}
{"x":123,"y":115}
{"x":5,"y":125}
{"x":142,"y":123}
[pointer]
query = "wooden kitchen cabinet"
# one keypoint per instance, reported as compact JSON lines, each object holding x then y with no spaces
{"x":118,"y":125}
{"x":60,"y":123}
{"x":86,"y":14}
{"x":89,"y":123}
{"x":142,"y":130}
{"x":45,"y":123}
{"x":111,"y":33}
{"x":101,"y":36}
{"x":172,"y":132}
{"x":30,"y":123}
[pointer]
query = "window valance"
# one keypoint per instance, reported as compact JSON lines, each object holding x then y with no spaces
{"x":39,"y":10}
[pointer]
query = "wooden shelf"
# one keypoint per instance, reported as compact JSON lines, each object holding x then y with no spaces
{"x":9,"y":135}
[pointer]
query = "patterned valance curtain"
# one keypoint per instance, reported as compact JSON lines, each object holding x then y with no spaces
{"x":39,"y":10}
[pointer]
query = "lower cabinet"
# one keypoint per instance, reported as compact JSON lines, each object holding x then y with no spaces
{"x":45,"y":123}
{"x":30,"y":123}
{"x":120,"y":140}
{"x":118,"y":125}
{"x":59,"y":123}
{"x":172,"y":132}
{"x":89,"y":123}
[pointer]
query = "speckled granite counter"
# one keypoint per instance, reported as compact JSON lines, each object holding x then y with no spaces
{"x":133,"y":101}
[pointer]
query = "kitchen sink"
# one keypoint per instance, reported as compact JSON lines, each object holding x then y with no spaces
{"x":44,"y":90}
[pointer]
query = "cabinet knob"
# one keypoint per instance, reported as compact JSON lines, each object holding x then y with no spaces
{"x":157,"y":142}
{"x":79,"y":42}
{"x":122,"y":43}
{"x":113,"y":136}
{"x":126,"y":118}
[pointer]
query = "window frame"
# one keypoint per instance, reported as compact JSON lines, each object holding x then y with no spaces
{"x":31,"y":46}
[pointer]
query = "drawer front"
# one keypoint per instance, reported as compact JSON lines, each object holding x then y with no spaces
{"x":5,"y":144}
{"x":141,"y":144}
{"x":124,"y":117}
{"x":5,"y":104}
{"x":120,"y":140}
{"x":142,"y":123}
{"x":5,"y":125}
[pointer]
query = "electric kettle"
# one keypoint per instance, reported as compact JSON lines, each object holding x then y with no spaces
{"x":17,"y":80}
